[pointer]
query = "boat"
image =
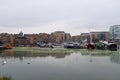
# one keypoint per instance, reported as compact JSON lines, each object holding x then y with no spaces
{"x":42,"y":45}
{"x":57,"y":46}
{"x":69,"y":45}
{"x":74,"y":45}
{"x":90,"y":46}
{"x":8,"y":46}
{"x":112,"y":46}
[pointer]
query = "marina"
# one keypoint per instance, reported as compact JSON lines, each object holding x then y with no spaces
{"x":59,"y":40}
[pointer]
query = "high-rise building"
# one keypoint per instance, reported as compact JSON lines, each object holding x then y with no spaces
{"x":115,"y":33}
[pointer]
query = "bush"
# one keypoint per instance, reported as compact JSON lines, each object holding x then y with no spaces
{"x":5,"y":78}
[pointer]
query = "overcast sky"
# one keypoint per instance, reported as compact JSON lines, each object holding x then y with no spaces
{"x":72,"y":16}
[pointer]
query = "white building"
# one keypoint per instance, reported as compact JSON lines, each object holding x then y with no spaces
{"x":115,"y":32}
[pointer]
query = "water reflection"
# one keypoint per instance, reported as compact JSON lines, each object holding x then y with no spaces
{"x":22,"y":54}
{"x":97,"y":52}
{"x":115,"y":57}
{"x":60,"y":64}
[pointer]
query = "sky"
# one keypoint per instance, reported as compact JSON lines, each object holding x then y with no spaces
{"x":46,"y":16}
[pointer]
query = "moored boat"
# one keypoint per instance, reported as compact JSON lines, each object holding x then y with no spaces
{"x":112,"y":46}
{"x":90,"y":46}
{"x":57,"y":46}
{"x":69,"y":45}
{"x":74,"y":45}
{"x":8,"y":46}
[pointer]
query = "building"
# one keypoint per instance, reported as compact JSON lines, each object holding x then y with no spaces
{"x":99,"y":36}
{"x":76,"y":38}
{"x":44,"y":37}
{"x":41,"y":37}
{"x":20,"y":40}
{"x":5,"y":38}
{"x":67,"y":37}
{"x":60,"y":37}
{"x":115,"y":33}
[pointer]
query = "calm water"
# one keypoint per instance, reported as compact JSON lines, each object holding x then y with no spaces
{"x":60,"y":64}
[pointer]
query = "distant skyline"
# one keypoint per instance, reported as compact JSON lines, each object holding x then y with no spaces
{"x":46,"y":16}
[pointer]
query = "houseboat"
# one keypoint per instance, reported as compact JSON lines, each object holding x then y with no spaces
{"x":112,"y":46}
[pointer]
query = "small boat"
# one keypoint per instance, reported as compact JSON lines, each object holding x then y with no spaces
{"x":42,"y":45}
{"x":8,"y":46}
{"x":57,"y":46}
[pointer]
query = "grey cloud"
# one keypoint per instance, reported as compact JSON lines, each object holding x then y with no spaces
{"x":80,"y":14}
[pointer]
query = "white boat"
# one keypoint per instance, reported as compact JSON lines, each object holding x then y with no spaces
{"x":69,"y":45}
{"x":72,"y":45}
{"x":57,"y":46}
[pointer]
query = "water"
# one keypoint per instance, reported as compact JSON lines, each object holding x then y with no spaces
{"x":59,"y":64}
